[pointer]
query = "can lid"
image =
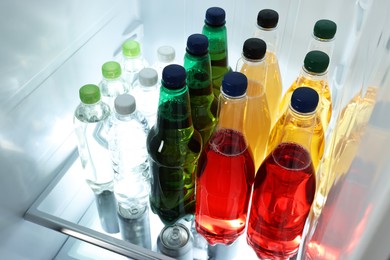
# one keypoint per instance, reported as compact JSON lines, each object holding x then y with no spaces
{"x":197,"y":44}
{"x":325,"y":29}
{"x":316,"y":61}
{"x":131,"y":48}
{"x":174,"y":240}
{"x":89,"y":94}
{"x":267,"y":18}
{"x":254,"y":49}
{"x":304,"y":100}
{"x":166,"y":53}
{"x":148,"y":77}
{"x":125,"y":104}
{"x":111,"y":70}
{"x":174,"y":76}
{"x":234,"y":84}
{"x":215,"y":16}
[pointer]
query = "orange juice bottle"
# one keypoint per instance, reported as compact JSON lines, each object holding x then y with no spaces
{"x":314,"y":75}
{"x":318,"y":135}
{"x":267,"y":21}
{"x":257,"y":121}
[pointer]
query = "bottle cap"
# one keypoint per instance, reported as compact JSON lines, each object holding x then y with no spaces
{"x":166,"y":54}
{"x":325,"y":29}
{"x":131,"y":48}
{"x":174,"y":76}
{"x":254,"y":49}
{"x":111,"y":70}
{"x":89,"y":94}
{"x":197,"y":44}
{"x":234,"y":84}
{"x":215,"y":16}
{"x":304,"y":100}
{"x":124,"y":104}
{"x":316,"y":62}
{"x":148,"y":77}
{"x":267,"y":18}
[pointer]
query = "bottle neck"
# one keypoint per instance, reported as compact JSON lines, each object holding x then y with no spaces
{"x":199,"y":80}
{"x":317,"y":81}
{"x":231,"y":111}
{"x":255,"y":71}
{"x":270,"y":36}
{"x":218,"y":46}
{"x":91,"y":113}
{"x":324,"y":45}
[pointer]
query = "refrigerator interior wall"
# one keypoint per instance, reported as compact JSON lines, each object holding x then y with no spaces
{"x":48,"y":50}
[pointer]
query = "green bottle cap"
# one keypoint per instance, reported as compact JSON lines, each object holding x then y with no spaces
{"x":89,"y":94}
{"x":325,"y":29}
{"x":131,"y":48}
{"x":111,"y":70}
{"x":316,"y":62}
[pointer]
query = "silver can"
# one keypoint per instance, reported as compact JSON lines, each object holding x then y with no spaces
{"x":175,"y":241}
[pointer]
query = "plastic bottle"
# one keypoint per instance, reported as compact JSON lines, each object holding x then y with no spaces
{"x":127,"y":132}
{"x":257,"y":118}
{"x":324,"y":32}
{"x":146,"y":91}
{"x":226,"y":170}
{"x":215,"y":30}
{"x":89,"y":121}
{"x":204,"y":105}
{"x":317,"y":138}
{"x":165,"y":56}
{"x":174,"y":148}
{"x":314,"y":74}
{"x":267,"y":22}
{"x":285,"y":184}
{"x":133,"y":60}
{"x":112,"y":83}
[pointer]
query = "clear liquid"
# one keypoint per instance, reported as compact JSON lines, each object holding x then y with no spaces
{"x":147,"y":101}
{"x":346,"y":138}
{"x":111,"y":88}
{"x":273,"y":86}
{"x":321,"y":86}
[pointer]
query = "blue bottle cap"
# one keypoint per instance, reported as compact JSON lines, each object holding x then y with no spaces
{"x":174,"y":76}
{"x":197,"y":44}
{"x":215,"y":16}
{"x":234,"y":84}
{"x":254,"y":49}
{"x":304,"y":100}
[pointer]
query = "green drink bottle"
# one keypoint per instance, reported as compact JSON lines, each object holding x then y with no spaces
{"x":215,"y":30}
{"x":174,"y":147}
{"x":204,"y":104}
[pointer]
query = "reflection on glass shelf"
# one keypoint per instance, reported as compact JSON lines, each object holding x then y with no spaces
{"x":98,"y":231}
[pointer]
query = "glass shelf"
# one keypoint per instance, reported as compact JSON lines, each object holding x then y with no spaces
{"x":68,"y":206}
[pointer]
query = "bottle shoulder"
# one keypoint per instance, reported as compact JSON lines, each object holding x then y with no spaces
{"x":92,"y":113}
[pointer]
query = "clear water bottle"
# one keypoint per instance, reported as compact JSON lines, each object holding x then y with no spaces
{"x":165,"y":55}
{"x":112,"y":83}
{"x":146,"y":91}
{"x":89,"y":121}
{"x":133,"y":60}
{"x":127,"y":133}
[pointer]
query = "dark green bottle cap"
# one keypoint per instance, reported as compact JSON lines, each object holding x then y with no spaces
{"x":316,"y":62}
{"x":111,"y":70}
{"x":325,"y":29}
{"x":254,"y":49}
{"x":174,"y":76}
{"x":89,"y":94}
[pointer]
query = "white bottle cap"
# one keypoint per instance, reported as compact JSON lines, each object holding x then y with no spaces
{"x":166,"y":54}
{"x":148,"y":77}
{"x":125,"y":104}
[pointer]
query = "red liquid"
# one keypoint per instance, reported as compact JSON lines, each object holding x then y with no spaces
{"x":283,"y":192}
{"x":223,"y":188}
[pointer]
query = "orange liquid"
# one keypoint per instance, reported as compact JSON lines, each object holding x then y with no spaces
{"x":322,"y":87}
{"x":317,"y":142}
{"x":273,"y":86}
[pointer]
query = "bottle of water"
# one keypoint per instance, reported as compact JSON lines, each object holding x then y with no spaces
{"x":89,"y":121}
{"x":112,"y":83}
{"x":165,"y":55}
{"x":133,"y":61}
{"x":127,"y":134}
{"x":146,"y":91}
